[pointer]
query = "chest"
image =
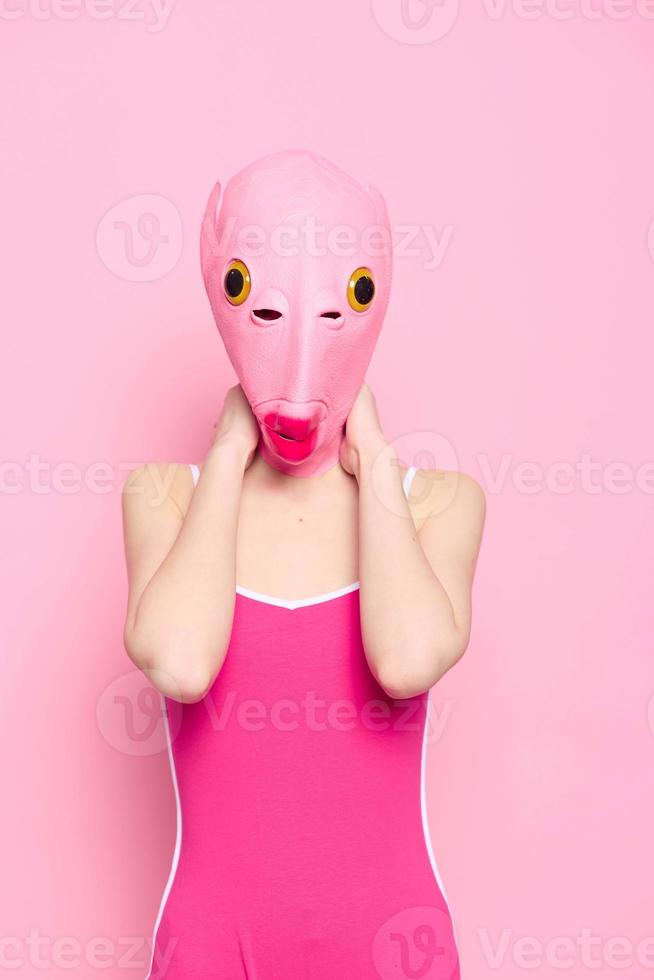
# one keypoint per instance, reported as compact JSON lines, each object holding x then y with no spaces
{"x":293,"y":549}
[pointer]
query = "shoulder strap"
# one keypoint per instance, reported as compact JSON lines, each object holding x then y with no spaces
{"x":408,"y":479}
{"x":195,"y":472}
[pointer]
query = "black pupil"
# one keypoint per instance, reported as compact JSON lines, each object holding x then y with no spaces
{"x":364,"y":290}
{"x":234,"y":282}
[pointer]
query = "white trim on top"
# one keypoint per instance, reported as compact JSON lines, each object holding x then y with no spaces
{"x":423,"y":811}
{"x":296,"y":603}
{"x":178,"y":836}
{"x":314,"y":599}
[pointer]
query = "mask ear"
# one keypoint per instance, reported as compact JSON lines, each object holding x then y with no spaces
{"x":384,"y":223}
{"x":208,"y":239}
{"x":380,"y":205}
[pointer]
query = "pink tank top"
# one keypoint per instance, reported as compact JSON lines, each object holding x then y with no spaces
{"x":302,"y":849}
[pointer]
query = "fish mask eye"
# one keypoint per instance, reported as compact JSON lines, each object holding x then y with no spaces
{"x":361,"y":289}
{"x":237,"y":282}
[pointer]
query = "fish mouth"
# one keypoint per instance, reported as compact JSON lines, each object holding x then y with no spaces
{"x":294,"y":437}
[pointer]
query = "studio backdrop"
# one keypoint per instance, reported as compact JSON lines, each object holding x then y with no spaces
{"x":513,"y":144}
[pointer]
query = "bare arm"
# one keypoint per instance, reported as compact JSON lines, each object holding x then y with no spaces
{"x":180,"y":549}
{"x":415,"y":585}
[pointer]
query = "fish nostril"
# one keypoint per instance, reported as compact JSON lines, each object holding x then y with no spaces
{"x":332,"y":315}
{"x":267,"y":314}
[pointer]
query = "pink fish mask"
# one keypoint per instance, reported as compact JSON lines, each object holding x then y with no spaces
{"x":297,"y":264}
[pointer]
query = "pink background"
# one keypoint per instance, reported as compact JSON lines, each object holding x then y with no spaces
{"x":525,"y":142}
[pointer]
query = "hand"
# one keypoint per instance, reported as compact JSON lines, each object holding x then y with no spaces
{"x":363,"y":431}
{"x":237,"y":425}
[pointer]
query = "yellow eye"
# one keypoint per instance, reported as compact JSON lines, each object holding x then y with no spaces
{"x":361,"y":289}
{"x":237,"y":282}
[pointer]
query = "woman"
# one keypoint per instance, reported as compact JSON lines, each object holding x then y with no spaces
{"x":294,"y":604}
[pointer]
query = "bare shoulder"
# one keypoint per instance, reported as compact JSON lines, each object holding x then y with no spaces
{"x":155,"y":490}
{"x":447,"y":498}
